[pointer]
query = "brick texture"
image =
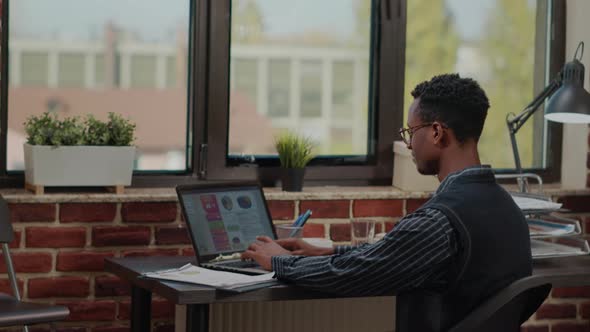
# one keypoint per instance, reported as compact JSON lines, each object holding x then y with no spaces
{"x":378,"y":228}
{"x":29,"y":262}
{"x":549,"y":310}
{"x":149,"y":212}
{"x":326,"y":209}
{"x":20,"y":212}
{"x":102,"y":310}
{"x":190,"y":252}
{"x":281,"y":210}
{"x":172,"y":235}
{"x":413,"y":204}
{"x":111,"y":286}
{"x":377,"y":208}
{"x":55,"y":237}
{"x":570,"y":327}
{"x":59,"y":287}
{"x":7,"y":289}
{"x":314,"y":230}
{"x":15,"y":243}
{"x":535,"y":328}
{"x":571,"y":292}
{"x":95,"y":310}
{"x":389,"y":225}
{"x":120,"y":236}
{"x":82,"y":261}
{"x":87,"y":212}
{"x":340,"y":232}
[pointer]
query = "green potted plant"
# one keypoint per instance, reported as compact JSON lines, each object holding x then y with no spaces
{"x":294,"y":152}
{"x":75,"y":152}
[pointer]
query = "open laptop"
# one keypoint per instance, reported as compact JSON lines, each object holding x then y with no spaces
{"x":224,"y":219}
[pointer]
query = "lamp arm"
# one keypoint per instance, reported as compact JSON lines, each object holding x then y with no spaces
{"x":515,"y":123}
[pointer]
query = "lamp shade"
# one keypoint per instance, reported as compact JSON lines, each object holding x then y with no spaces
{"x":571,"y":102}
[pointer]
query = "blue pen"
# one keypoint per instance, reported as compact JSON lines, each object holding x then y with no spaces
{"x":300,"y":222}
{"x":297,"y":220}
{"x":304,"y":218}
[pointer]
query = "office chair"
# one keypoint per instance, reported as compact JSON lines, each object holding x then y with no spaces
{"x":13,"y":311}
{"x":507,"y":309}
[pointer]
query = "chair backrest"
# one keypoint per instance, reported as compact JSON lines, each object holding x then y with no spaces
{"x":6,"y":232}
{"x":507,"y":309}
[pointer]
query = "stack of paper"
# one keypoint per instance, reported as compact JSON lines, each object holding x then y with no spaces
{"x":543,"y":228}
{"x":543,"y":249}
{"x":219,"y":279}
{"x":535,"y":204}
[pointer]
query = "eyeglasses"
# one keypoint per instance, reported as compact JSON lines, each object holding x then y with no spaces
{"x":407,"y":133}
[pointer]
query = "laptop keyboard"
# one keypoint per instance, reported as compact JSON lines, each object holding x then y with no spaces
{"x":240,"y":264}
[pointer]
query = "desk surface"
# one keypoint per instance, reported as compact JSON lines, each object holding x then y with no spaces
{"x":567,"y":271}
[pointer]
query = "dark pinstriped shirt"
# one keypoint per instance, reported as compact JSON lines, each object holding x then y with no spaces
{"x":415,"y":254}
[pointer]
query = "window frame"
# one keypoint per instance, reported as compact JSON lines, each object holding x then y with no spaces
{"x":541,"y":76}
{"x":197,"y":36}
{"x":208,"y":102}
{"x":387,"y":75}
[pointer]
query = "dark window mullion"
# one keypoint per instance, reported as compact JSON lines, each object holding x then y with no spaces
{"x":557,"y":59}
{"x":5,"y":179}
{"x":218,"y":93}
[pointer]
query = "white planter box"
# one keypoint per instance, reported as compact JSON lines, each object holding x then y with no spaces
{"x":78,"y":165}
{"x":405,"y":173}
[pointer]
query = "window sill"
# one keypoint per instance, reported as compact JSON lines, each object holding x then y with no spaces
{"x":309,"y":193}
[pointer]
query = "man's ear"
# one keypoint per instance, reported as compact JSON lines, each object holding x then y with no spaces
{"x":439,"y":135}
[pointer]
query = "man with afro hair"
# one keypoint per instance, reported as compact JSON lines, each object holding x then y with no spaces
{"x":466,"y":243}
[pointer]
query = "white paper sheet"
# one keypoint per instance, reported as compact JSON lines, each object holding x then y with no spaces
{"x":535,"y":204}
{"x":218,"y":279}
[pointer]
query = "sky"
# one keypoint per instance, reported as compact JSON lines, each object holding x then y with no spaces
{"x":87,"y":17}
{"x":38,"y":17}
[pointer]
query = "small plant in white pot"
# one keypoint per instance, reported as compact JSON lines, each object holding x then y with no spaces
{"x":72,"y":152}
{"x":294,"y":153}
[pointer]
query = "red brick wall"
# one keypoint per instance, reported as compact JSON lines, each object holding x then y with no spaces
{"x":59,"y":250}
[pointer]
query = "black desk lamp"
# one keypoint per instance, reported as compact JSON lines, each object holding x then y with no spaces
{"x":568,"y":103}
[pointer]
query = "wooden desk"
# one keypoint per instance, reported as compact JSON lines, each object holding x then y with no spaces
{"x":570,"y":271}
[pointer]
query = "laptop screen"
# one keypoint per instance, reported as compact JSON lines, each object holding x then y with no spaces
{"x":225,"y":220}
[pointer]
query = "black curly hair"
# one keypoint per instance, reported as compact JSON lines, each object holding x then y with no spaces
{"x":459,"y":103}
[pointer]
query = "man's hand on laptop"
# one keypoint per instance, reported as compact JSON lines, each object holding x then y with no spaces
{"x":301,"y":248}
{"x":262,"y":250}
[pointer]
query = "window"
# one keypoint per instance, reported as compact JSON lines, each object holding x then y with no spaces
{"x":71,"y":70}
{"x":98,"y":70}
{"x":210,"y":83}
{"x":294,"y":70}
{"x":87,"y":57}
{"x":142,"y":71}
{"x":506,"y":47}
{"x":278,"y":88}
{"x":34,"y":68}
